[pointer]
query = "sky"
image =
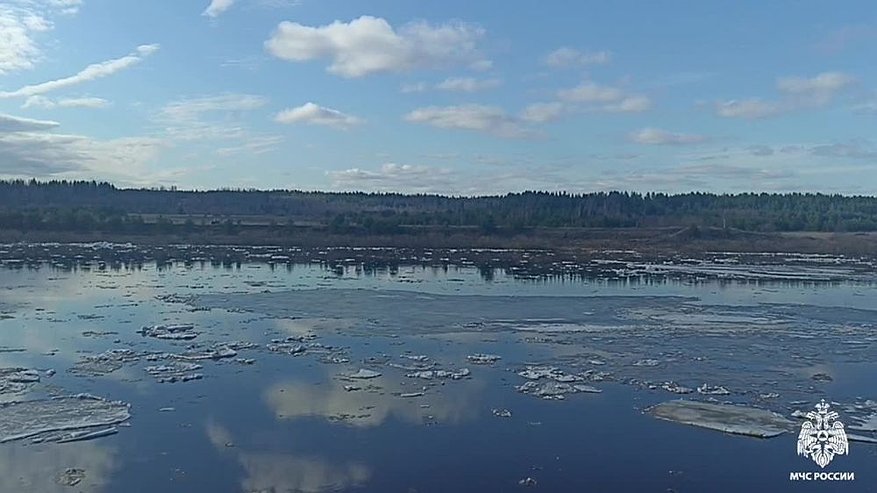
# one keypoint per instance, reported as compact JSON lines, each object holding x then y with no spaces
{"x":452,"y":96}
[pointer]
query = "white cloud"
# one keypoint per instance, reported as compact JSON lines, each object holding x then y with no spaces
{"x":217,"y":7}
{"x":566,"y":57}
{"x":590,"y":92}
{"x":89,"y":73}
{"x":656,"y":136}
{"x":67,"y":6}
{"x":392,"y":177}
{"x":21,"y":24}
{"x":820,"y":89}
{"x":314,"y":114}
{"x":750,"y":109}
{"x":85,"y":102}
{"x":630,"y":104}
{"x":598,"y":97}
{"x":193,"y":108}
{"x":216,"y":117}
{"x":252,"y":145}
{"x":453,"y":84}
{"x":467,"y":84}
{"x":370,"y":45}
{"x":543,"y":112}
{"x":51,"y":155}
{"x":856,"y":149}
{"x":798,"y":93}
{"x":10,"y":123}
{"x":474,"y":117}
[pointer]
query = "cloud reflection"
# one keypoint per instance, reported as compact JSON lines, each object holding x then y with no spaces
{"x":276,"y":472}
{"x":36,"y":468}
{"x":373,"y":405}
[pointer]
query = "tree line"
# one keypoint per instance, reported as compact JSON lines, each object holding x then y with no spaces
{"x":90,"y":205}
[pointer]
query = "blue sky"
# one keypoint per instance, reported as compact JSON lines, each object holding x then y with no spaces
{"x":450,"y":96}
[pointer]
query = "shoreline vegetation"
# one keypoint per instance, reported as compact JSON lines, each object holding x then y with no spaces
{"x":659,"y":224}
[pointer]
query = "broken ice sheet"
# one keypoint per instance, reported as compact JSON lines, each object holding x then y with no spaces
{"x":175,"y":332}
{"x":104,"y":363}
{"x":176,"y":371}
{"x":363,"y":374}
{"x":554,"y":390}
{"x":483,"y":359}
{"x":17,"y":380}
{"x":726,"y":418}
{"x":36,"y":419}
{"x":440,"y":374}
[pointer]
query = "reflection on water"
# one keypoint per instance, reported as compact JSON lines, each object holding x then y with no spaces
{"x":266,"y":471}
{"x":374,"y":402}
{"x":291,"y":421}
{"x":37,"y":468}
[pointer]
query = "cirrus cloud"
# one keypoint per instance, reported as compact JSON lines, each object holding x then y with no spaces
{"x":44,"y":102}
{"x":89,"y":73}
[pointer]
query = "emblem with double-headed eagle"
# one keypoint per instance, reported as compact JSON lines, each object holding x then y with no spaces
{"x":822,"y":436}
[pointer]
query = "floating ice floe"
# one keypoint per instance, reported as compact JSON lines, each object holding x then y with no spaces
{"x":440,"y":374}
{"x":553,"y":390}
{"x":175,"y":372}
{"x":177,"y":332}
{"x":537,"y":372}
{"x":714,"y":390}
{"x":528,"y":481}
{"x":17,"y":380}
{"x":864,"y":423}
{"x":104,"y":363}
{"x":726,"y":418}
{"x":483,"y":359}
{"x":217,"y":351}
{"x":411,"y":394}
{"x":364,"y":374}
{"x":71,"y":477}
{"x":58,"y":419}
{"x":647,"y":362}
{"x":420,"y":358}
{"x":502,"y":413}
{"x":676,"y":388}
{"x":286,"y":348}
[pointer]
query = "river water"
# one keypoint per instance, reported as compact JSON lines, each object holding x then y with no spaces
{"x":282,"y":410}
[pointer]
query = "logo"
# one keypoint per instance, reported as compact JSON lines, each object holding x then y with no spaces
{"x":822,"y":436}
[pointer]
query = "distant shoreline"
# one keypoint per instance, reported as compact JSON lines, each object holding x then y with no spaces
{"x":650,"y":241}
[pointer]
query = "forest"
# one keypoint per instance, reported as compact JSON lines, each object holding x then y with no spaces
{"x":98,"y":206}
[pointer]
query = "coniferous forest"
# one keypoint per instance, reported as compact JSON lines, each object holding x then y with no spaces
{"x":87,"y":206}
